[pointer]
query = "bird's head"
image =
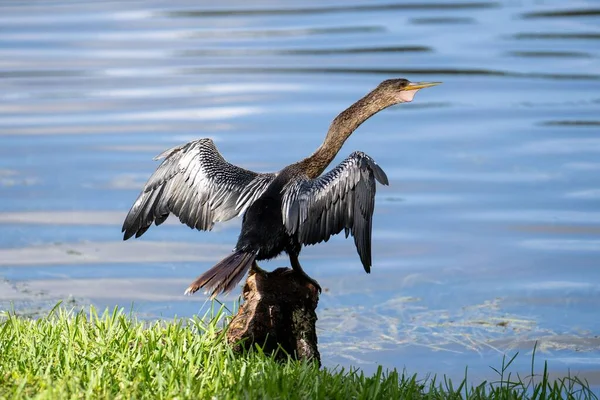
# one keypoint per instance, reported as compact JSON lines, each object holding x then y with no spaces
{"x":402,"y":90}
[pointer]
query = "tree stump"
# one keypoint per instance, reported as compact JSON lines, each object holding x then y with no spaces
{"x":278,"y":312}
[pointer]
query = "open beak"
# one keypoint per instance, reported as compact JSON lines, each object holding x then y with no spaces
{"x":408,"y":93}
{"x":420,"y":85}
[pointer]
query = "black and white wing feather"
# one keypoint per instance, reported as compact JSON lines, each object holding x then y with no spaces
{"x":342,"y":199}
{"x":195,"y":183}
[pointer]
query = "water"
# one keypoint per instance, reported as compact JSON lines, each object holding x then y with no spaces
{"x":486,"y":241}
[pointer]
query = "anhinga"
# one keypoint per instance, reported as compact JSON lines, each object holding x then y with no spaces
{"x":283,"y":210}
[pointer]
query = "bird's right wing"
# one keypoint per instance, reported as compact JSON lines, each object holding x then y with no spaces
{"x":195,"y":183}
{"x":342,"y":199}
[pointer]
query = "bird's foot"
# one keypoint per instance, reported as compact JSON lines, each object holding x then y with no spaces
{"x":315,"y":283}
{"x":308,"y":278}
{"x":255,"y":268}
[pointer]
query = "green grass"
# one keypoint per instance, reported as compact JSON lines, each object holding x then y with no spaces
{"x":86,"y":355}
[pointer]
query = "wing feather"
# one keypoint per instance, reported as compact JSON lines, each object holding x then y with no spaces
{"x":342,"y":199}
{"x":195,"y":183}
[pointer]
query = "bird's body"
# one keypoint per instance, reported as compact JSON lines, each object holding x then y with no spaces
{"x":272,"y":239}
{"x":282,"y":211}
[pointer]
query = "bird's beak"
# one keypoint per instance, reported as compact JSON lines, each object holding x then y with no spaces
{"x":408,"y":92}
{"x":420,"y":85}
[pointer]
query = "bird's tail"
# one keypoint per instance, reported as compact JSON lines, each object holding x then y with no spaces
{"x":224,"y":275}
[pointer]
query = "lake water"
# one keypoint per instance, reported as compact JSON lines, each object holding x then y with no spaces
{"x":486,"y":241}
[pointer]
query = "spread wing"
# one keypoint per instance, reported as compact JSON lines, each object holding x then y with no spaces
{"x":343,"y":198}
{"x":195,"y":183}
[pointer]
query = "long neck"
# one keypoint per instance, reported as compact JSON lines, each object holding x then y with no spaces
{"x":341,"y":128}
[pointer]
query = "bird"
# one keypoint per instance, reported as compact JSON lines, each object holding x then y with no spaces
{"x":282,"y":211}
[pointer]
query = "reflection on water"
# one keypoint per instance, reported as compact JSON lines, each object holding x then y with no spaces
{"x":557,"y":35}
{"x":443,"y":20}
{"x":550,"y":54}
{"x":485,"y":242}
{"x":579,"y":12}
{"x":333,"y":9}
{"x":306,"y":52}
{"x":572,"y":123}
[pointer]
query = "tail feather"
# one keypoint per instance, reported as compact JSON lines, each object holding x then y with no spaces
{"x":224,"y":275}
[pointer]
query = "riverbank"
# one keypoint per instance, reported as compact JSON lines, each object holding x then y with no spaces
{"x":85,"y":354}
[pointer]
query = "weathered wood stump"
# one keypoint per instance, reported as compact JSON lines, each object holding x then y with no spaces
{"x":278,"y":312}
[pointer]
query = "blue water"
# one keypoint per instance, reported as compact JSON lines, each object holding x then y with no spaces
{"x":486,"y":241}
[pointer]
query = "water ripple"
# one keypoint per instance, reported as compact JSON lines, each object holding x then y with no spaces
{"x":558,"y":35}
{"x":332,"y":9}
{"x":550,"y":54}
{"x":571,"y":123}
{"x":560,"y":146}
{"x":198,"y":114}
{"x":185,"y":34}
{"x":587,"y":12}
{"x":589,"y":194}
{"x":537,"y":215}
{"x":394,"y":72}
{"x":28,"y":74}
{"x":111,"y":252}
{"x":305,"y":52}
{"x":562,"y":245}
{"x":442,"y":20}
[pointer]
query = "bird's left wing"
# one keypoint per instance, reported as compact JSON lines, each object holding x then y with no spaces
{"x":343,"y":198}
{"x":195,"y":183}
